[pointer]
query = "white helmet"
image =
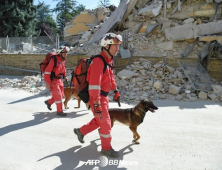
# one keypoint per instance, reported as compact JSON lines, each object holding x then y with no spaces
{"x":110,"y":38}
{"x":63,"y":49}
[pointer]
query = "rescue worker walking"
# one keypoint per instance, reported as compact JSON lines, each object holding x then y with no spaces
{"x":53,"y":78}
{"x":100,"y":83}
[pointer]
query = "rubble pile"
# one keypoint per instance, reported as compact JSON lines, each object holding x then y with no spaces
{"x":140,"y":80}
{"x":160,"y":28}
{"x":33,"y":84}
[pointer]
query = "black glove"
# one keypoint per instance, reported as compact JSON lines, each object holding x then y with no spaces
{"x":117,"y":97}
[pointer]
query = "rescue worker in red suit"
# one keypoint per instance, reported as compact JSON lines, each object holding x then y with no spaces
{"x":100,"y":83}
{"x":53,"y":78}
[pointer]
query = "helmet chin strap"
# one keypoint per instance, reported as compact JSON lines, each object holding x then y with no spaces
{"x":63,"y":58}
{"x":108,"y":50}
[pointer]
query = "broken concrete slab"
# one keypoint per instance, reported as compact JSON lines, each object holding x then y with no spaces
{"x":189,"y":31}
{"x":85,"y":37}
{"x":174,"y":89}
{"x":165,"y":45}
{"x":166,"y":24}
{"x":158,"y":85}
{"x":83,"y":22}
{"x":131,"y":5}
{"x":208,"y":29}
{"x":189,"y":20}
{"x":78,"y":28}
{"x":126,"y":74}
{"x":152,"y":10}
{"x":181,"y":32}
{"x":113,"y":20}
{"x":125,"y":53}
{"x":129,"y":24}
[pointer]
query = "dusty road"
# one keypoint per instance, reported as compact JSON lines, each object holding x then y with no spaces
{"x":179,"y":136}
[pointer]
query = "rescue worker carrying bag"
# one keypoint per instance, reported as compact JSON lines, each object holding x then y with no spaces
{"x":79,"y":75}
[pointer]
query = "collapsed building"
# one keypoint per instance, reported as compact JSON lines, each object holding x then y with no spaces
{"x":157,"y":28}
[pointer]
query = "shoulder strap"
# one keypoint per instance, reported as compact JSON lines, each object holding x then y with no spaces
{"x":104,"y":61}
{"x":55,"y":60}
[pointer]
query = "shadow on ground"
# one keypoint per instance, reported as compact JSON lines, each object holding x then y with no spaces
{"x":78,"y":157}
{"x":39,"y":118}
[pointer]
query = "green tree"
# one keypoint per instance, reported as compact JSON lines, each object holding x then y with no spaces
{"x":17,"y":18}
{"x":66,"y":10}
{"x":104,"y":3}
{"x":43,"y":11}
{"x":45,"y":22}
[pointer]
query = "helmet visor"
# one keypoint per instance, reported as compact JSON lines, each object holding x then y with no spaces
{"x":65,"y":50}
{"x":117,"y":39}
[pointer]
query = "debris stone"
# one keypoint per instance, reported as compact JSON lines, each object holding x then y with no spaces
{"x":133,"y":84}
{"x":152,"y":32}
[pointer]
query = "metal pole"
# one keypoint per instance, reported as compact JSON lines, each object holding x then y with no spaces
{"x":49,"y":36}
{"x":58,"y":41}
{"x":179,"y":6}
{"x":7,"y":44}
{"x":31,"y":45}
{"x":165,"y":4}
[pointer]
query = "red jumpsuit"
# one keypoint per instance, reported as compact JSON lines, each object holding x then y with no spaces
{"x":99,"y":86}
{"x":56,"y":84}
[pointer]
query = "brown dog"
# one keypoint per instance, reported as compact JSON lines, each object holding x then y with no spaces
{"x":68,"y":94}
{"x":132,"y":117}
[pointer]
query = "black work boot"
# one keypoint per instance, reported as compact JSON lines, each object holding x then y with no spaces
{"x":79,"y":134}
{"x":110,"y":153}
{"x":48,"y":105}
{"x":61,"y":114}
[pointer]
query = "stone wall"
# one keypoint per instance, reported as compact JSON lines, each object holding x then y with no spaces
{"x":31,"y":62}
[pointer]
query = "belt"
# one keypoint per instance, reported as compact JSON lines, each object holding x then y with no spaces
{"x":57,"y":77}
{"x":103,"y":93}
{"x":53,"y":76}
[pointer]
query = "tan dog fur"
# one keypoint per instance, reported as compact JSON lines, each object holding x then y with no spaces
{"x":68,"y":94}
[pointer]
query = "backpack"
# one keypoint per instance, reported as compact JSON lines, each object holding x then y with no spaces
{"x":79,"y":75}
{"x":45,"y":62}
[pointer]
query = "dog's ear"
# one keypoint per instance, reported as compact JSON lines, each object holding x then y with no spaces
{"x":145,"y":100}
